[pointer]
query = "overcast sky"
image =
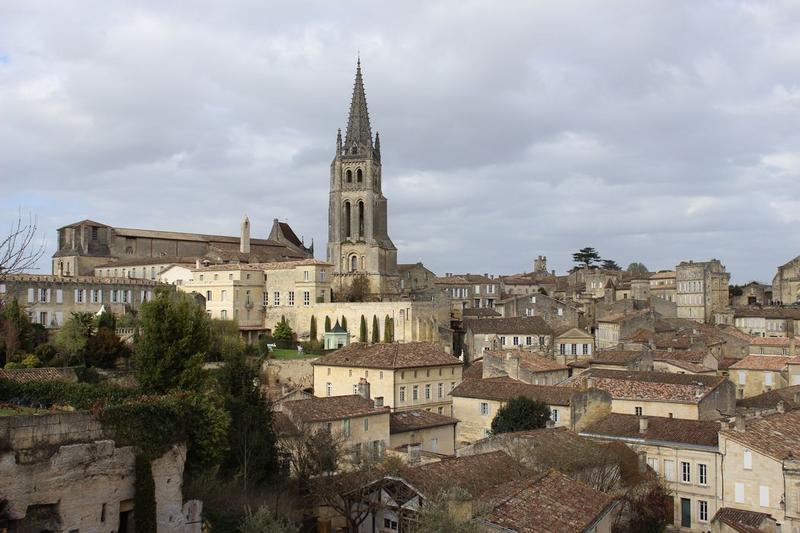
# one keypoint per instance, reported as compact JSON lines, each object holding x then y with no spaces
{"x":653,"y":131}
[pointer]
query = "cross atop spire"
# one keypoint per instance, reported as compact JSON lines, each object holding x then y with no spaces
{"x":359,"y":133}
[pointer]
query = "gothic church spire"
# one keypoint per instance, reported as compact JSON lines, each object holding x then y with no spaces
{"x":359,"y":133}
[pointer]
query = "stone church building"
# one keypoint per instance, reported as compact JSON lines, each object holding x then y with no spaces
{"x":358,"y":238}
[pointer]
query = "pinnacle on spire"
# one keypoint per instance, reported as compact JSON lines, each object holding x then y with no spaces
{"x":359,"y":132}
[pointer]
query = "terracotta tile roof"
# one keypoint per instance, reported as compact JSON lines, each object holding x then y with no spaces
{"x":391,"y":356}
{"x":686,"y":365}
{"x":795,"y":360}
{"x":790,"y":396}
{"x":530,"y":361}
{"x":330,"y":408}
{"x":275,"y":265}
{"x":558,"y":332}
{"x":75,"y":280}
{"x":504,"y":389}
{"x":664,"y":274}
{"x":789,"y":313}
{"x":474,"y":473}
{"x":777,"y":436}
{"x":690,"y":356}
{"x":770,"y":341}
{"x":401,"y":421}
{"x":451,"y":280}
{"x":761,"y":362}
{"x":479,"y":312}
{"x":26,"y":375}
{"x":474,"y":371}
{"x":282,"y":424}
{"x":547,"y":503}
{"x":616,"y":357}
{"x":522,"y":325}
{"x":741,"y":520}
{"x":726,"y":362}
{"x":664,"y":429}
{"x":654,"y":386}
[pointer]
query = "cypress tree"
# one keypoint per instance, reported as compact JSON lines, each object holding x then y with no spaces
{"x":344,"y":323}
{"x":362,"y":332}
{"x":376,"y":334}
{"x":387,"y":330}
{"x":313,"y":328}
{"x":327,"y":324}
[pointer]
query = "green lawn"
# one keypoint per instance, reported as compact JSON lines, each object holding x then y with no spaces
{"x":283,"y":353}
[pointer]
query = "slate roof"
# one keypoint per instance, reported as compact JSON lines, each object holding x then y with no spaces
{"x":761,"y":362}
{"x":401,"y":421}
{"x":522,"y":325}
{"x":652,"y":386}
{"x":547,"y":503}
{"x":777,"y":436}
{"x":390,"y":356}
{"x":665,"y":429}
{"x":504,"y":389}
{"x":330,"y":408}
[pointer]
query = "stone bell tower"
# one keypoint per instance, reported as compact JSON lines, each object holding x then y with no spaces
{"x":358,"y":238}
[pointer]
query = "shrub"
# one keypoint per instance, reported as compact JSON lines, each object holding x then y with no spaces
{"x":520,"y":414}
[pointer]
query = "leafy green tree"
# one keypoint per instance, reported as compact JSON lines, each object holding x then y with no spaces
{"x":637,"y":269}
{"x":359,"y":289}
{"x":542,"y":291}
{"x":313,"y":329}
{"x":520,"y":414}
{"x":73,"y":337}
{"x":327,"y":323}
{"x":262,"y":521}
{"x":610,"y":264}
{"x":388,"y":329}
{"x":362,"y":330}
{"x":586,"y":257}
{"x":252,"y":458}
{"x":106,"y":320}
{"x":283,"y":334}
{"x":651,"y":512}
{"x":376,"y":333}
{"x":104,"y":348}
{"x":175,"y":335}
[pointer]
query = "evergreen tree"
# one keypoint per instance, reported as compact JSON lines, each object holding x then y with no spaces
{"x":520,"y":414}
{"x":610,"y":264}
{"x":175,"y":335}
{"x":388,"y":329}
{"x":252,"y":457}
{"x":343,"y":323}
{"x":16,"y":332}
{"x":106,"y":320}
{"x":586,"y":257}
{"x":327,"y":323}
{"x":313,"y":329}
{"x":283,"y":334}
{"x":376,"y":334}
{"x":362,"y":330}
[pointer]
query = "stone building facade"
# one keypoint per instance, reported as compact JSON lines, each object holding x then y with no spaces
{"x":358,"y":237}
{"x":555,"y":312}
{"x":701,"y":289}
{"x":786,"y":283}
{"x":61,"y":472}
{"x":49,"y":300}
{"x":87,"y":244}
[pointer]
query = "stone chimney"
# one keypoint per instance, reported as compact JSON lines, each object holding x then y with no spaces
{"x":244,"y":243}
{"x":512,"y":366}
{"x":589,"y":382}
{"x":197,"y":263}
{"x":643,"y":425}
{"x":781,"y":407}
{"x":738,"y":423}
{"x":363,"y":388}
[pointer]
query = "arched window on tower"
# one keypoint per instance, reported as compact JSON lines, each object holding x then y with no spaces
{"x":359,"y":176}
{"x":353,"y":263}
{"x":360,"y":218}
{"x":347,"y":220}
{"x":349,"y":176}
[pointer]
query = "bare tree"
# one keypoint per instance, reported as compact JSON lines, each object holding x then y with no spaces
{"x":19,"y":250}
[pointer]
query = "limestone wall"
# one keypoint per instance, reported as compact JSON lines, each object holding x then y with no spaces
{"x":28,"y":431}
{"x":292,"y":371}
